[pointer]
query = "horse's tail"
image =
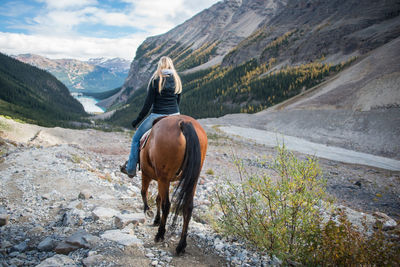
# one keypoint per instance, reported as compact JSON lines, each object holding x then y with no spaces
{"x":191,"y":166}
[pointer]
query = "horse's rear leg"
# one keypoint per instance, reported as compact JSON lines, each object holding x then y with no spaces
{"x":163,"y":192}
{"x":157,"y":218}
{"x":187,"y":214}
{"x":145,"y":187}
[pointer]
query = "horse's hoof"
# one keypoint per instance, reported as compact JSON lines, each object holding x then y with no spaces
{"x":149,"y":214}
{"x":158,"y":238}
{"x":179,"y":250}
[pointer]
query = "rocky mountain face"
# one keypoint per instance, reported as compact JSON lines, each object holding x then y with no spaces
{"x":113,"y":64}
{"x":94,"y":75}
{"x":290,"y":32}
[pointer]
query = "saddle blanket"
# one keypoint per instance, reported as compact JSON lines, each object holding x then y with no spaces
{"x":144,"y":138}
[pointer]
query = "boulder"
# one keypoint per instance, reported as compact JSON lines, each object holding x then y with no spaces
{"x":122,"y":220}
{"x":387,"y":222}
{"x":82,"y":239}
{"x":4,"y":219}
{"x":93,"y":260}
{"x":65,"y":248}
{"x":21,"y":247}
{"x":85,"y":194}
{"x":46,"y":244}
{"x":101,"y":213}
{"x":57,"y":260}
{"x":122,"y":238}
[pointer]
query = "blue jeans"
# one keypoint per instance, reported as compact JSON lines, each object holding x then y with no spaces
{"x":141,"y":130}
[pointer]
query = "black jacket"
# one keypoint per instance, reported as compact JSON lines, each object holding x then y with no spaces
{"x":165,"y":103}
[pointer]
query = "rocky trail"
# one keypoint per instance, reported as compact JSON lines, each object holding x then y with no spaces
{"x":63,"y":201}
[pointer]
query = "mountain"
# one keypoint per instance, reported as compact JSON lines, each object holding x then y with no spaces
{"x":95,"y":75}
{"x":113,"y":64}
{"x":245,"y":56}
{"x":358,"y":109}
{"x":35,"y":95}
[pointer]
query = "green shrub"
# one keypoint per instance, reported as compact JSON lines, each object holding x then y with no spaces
{"x":341,"y":244}
{"x":210,"y":172}
{"x":278,"y":216}
{"x":284,"y":217}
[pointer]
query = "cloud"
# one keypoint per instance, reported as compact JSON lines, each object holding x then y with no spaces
{"x":58,"y":47}
{"x":15,"y":8}
{"x":65,"y":4}
{"x":95,"y":28}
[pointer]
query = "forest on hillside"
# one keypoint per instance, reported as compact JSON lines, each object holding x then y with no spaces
{"x":247,"y":88}
{"x":34,"y":95}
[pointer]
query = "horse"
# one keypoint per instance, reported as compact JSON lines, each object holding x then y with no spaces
{"x":175,"y":151}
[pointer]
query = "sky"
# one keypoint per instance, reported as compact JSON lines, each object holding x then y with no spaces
{"x":83,"y":29}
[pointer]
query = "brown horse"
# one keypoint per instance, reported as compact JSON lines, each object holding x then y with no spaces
{"x":175,"y":151}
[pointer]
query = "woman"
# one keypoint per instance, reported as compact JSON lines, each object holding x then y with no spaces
{"x":163,"y":94}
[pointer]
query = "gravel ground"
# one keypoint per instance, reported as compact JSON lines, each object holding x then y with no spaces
{"x":66,"y":203}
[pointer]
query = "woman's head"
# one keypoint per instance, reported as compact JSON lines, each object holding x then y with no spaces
{"x":165,"y":63}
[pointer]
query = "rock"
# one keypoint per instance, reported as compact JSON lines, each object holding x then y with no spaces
{"x":92,"y":240}
{"x":150,"y":255}
{"x":387,"y":222}
{"x":101,"y":213}
{"x":46,"y":244}
{"x":82,"y":239}
{"x":121,"y":238}
{"x":357,"y":219}
{"x":219,"y":246}
{"x":73,"y":204}
{"x":123,"y":220}
{"x":4,"y":219}
{"x":14,"y":254}
{"x":105,"y":197}
{"x":78,"y":213}
{"x":37,"y":230}
{"x":5,"y":244}
{"x":57,"y":260}
{"x":16,"y":262}
{"x":154,"y":263}
{"x":21,"y":247}
{"x":92,"y":253}
{"x":68,"y":220}
{"x":3,"y":210}
{"x":92,"y":261}
{"x":85,"y":194}
{"x":65,"y":248}
{"x":51,"y":195}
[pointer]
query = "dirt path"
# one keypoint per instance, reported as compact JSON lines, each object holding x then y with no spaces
{"x":319,"y":150}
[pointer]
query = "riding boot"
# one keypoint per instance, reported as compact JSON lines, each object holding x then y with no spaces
{"x":124,"y":170}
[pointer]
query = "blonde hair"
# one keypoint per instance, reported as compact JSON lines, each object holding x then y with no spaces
{"x":165,"y":63}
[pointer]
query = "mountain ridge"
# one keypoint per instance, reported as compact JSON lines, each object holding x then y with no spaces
{"x":291,"y":32}
{"x":93,"y":75}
